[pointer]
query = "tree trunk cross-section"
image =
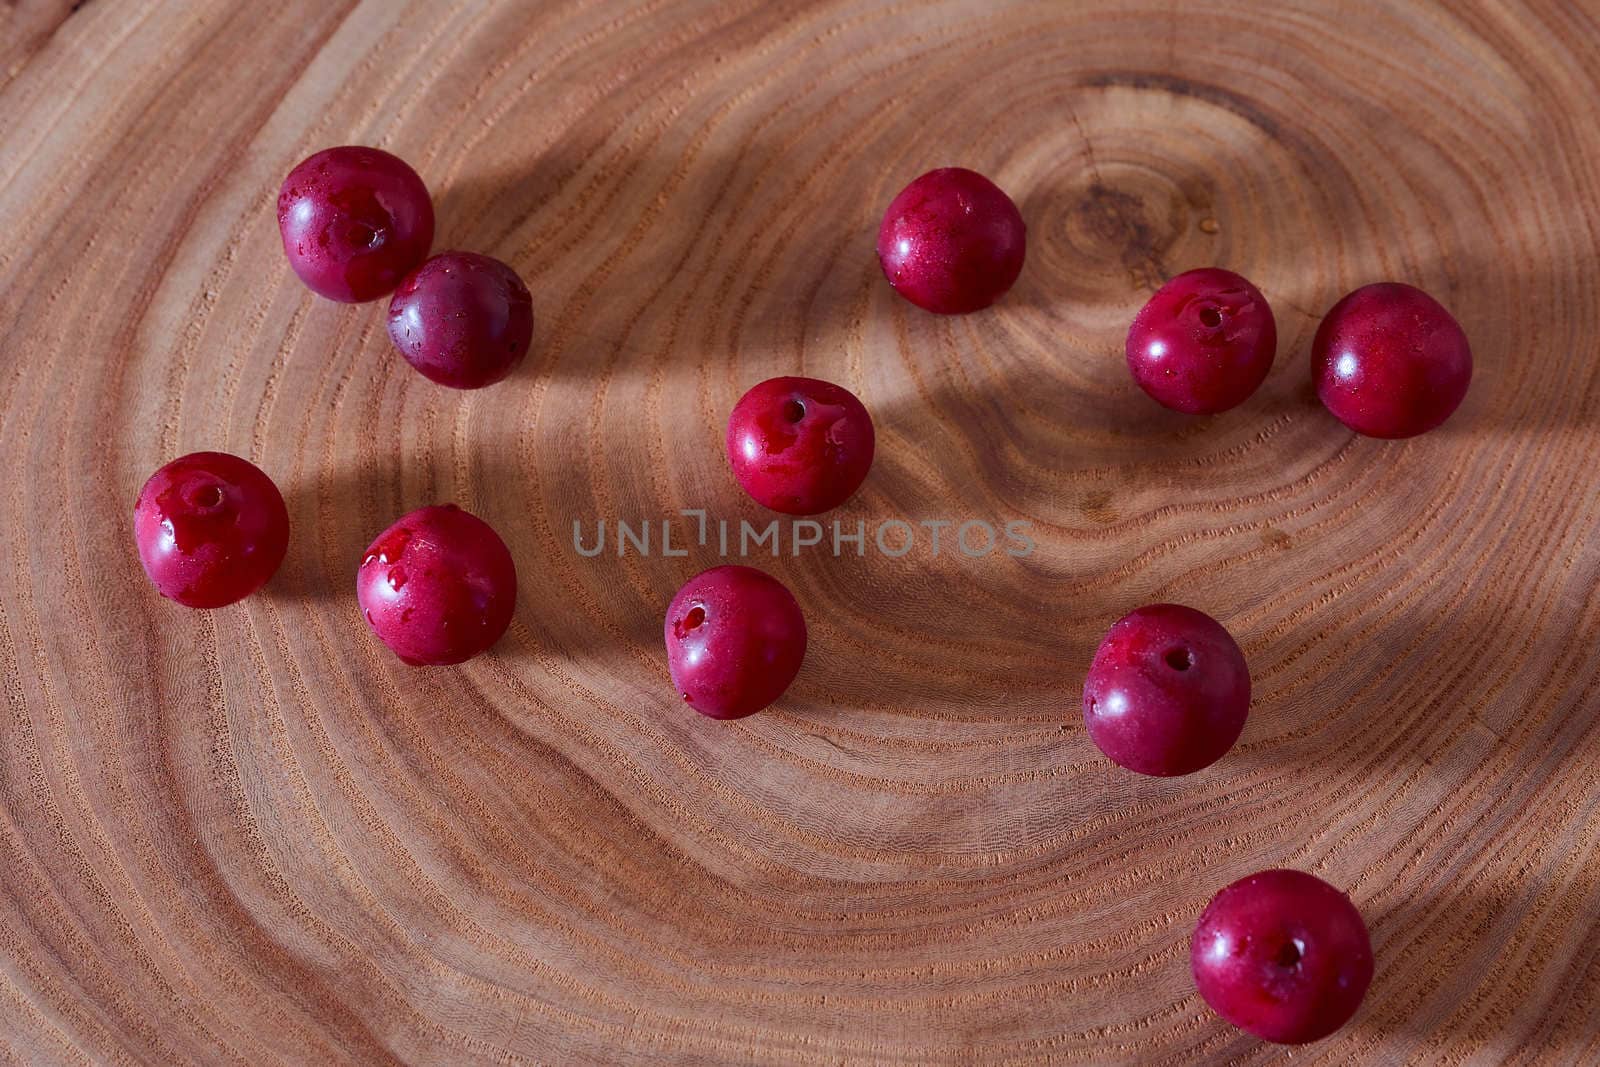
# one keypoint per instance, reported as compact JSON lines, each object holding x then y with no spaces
{"x":251,"y":836}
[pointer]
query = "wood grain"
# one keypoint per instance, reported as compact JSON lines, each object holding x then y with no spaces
{"x":251,"y":836}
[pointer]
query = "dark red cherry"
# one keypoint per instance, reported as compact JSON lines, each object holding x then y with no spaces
{"x":1282,"y":955}
{"x":438,"y":587}
{"x":952,"y":242}
{"x":1390,"y":361}
{"x":462,"y":319}
{"x":1168,"y":691}
{"x":211,"y":529}
{"x":1203,"y":343}
{"x":799,"y":445}
{"x":354,"y":221}
{"x":735,"y":640}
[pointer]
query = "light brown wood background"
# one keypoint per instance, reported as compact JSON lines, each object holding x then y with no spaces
{"x":251,"y":836}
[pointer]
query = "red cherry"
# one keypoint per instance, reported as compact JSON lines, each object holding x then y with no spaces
{"x":462,"y":319}
{"x":438,"y":587}
{"x":1283,"y":955}
{"x":1390,"y":361}
{"x":354,"y":221}
{"x":1168,"y":692}
{"x":799,"y":445}
{"x":211,"y":529}
{"x":1203,"y":343}
{"x":735,"y":640}
{"x":952,"y":242}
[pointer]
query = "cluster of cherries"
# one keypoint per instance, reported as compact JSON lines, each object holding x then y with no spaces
{"x":1281,"y":953}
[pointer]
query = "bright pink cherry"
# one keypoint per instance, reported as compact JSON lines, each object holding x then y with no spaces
{"x":211,"y":529}
{"x":354,"y":222}
{"x":799,"y":445}
{"x":735,"y":640}
{"x":1390,"y":361}
{"x":438,"y":587}
{"x":1283,"y":955}
{"x":1168,"y":691}
{"x":462,"y":319}
{"x":1203,"y":343}
{"x":952,"y":242}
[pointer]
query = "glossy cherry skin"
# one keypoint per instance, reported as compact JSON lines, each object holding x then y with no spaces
{"x":952,"y":242}
{"x":462,"y":319}
{"x":354,"y":221}
{"x":799,"y":445}
{"x":1283,"y":955}
{"x":1203,"y":343}
{"x":1168,"y":691}
{"x":438,"y":587}
{"x":211,"y":529}
{"x":1389,"y":361}
{"x":735,"y":640}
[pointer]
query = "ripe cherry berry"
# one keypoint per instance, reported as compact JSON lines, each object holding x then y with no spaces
{"x":952,"y":242}
{"x":211,"y":529}
{"x":438,"y":587}
{"x":1390,"y":361}
{"x":354,"y":221}
{"x":1203,"y":343}
{"x":1168,"y":691}
{"x":462,"y":319}
{"x":1283,"y":955}
{"x":735,"y":640}
{"x":799,"y":445}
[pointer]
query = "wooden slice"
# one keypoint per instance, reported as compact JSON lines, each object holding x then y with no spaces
{"x":252,"y":836}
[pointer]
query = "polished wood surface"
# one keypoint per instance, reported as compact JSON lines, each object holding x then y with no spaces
{"x":252,"y":836}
